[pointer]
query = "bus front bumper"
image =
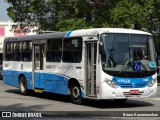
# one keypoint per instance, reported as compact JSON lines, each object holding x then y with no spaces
{"x":125,"y":93}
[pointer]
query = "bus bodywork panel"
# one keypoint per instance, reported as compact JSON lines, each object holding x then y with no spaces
{"x":119,"y":93}
{"x":126,"y":85}
{"x":12,"y":71}
{"x":12,"y":77}
{"x":48,"y":80}
{"x":54,"y":83}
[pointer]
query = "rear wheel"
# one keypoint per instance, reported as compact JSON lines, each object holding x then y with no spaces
{"x":23,"y":86}
{"x":76,"y":94}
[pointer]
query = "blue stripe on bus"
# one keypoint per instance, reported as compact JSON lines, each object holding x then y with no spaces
{"x":68,"y":33}
{"x":11,"y":78}
{"x":54,"y":83}
{"x":132,"y":82}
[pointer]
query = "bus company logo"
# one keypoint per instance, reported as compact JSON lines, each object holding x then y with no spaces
{"x":124,"y":80}
{"x":54,"y":67}
{"x":51,"y":67}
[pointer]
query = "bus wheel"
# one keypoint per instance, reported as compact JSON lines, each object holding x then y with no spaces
{"x":23,"y":86}
{"x":76,"y":94}
{"x":119,"y":101}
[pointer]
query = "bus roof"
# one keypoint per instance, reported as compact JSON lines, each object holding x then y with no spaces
{"x":75,"y":33}
{"x":37,"y":37}
{"x":95,"y":31}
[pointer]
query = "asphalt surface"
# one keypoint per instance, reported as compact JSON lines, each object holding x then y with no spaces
{"x":54,"y":106}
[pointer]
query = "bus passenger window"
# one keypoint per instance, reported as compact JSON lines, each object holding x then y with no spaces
{"x":72,"y":51}
{"x":16,"y":51}
{"x":8,"y":54}
{"x":54,"y":50}
{"x":26,"y":51}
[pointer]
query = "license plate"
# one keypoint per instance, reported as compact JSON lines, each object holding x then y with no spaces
{"x":134,"y":91}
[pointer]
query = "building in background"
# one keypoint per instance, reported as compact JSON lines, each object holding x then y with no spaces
{"x":6,"y":30}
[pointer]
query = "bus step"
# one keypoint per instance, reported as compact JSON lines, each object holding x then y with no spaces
{"x":38,"y":90}
{"x":91,"y":97}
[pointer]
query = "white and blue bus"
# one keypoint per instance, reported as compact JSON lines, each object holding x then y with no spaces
{"x":99,"y":63}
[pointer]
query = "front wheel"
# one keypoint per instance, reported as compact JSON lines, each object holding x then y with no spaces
{"x":23,"y":86}
{"x":76,"y":94}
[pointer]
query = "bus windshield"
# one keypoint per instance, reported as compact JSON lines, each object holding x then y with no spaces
{"x":120,"y":51}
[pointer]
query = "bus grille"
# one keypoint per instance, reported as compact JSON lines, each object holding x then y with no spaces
{"x":138,"y":85}
{"x":127,"y":94}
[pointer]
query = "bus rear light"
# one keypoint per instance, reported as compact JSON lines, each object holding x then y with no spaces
{"x":111,"y":83}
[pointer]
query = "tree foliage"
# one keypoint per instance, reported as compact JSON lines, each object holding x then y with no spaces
{"x":62,"y":15}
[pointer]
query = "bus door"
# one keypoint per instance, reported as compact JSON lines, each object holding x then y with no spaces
{"x":38,"y":65}
{"x":91,"y":53}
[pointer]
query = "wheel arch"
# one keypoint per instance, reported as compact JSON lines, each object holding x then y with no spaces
{"x":71,"y":82}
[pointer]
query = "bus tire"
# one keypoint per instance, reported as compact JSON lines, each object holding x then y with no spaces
{"x":76,"y":93}
{"x":119,"y":101}
{"x":23,"y":86}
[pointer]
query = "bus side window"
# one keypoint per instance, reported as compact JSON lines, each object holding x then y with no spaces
{"x":8,"y":50}
{"x":49,"y":56}
{"x":26,"y":51}
{"x":16,"y":51}
{"x":72,"y":51}
{"x":54,"y":50}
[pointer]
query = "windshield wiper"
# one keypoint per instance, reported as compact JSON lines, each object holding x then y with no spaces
{"x":146,"y":71}
{"x":125,"y":66}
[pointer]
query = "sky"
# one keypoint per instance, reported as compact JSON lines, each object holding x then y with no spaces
{"x":3,"y":11}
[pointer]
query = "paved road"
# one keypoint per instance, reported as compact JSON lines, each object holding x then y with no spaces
{"x":11,"y":100}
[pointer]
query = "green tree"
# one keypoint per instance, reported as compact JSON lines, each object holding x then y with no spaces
{"x":31,"y":13}
{"x":131,"y":13}
{"x":76,"y":14}
{"x":56,"y":14}
{"x":152,"y":23}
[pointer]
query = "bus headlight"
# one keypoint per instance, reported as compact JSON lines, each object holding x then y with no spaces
{"x":152,"y":82}
{"x":111,"y":83}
